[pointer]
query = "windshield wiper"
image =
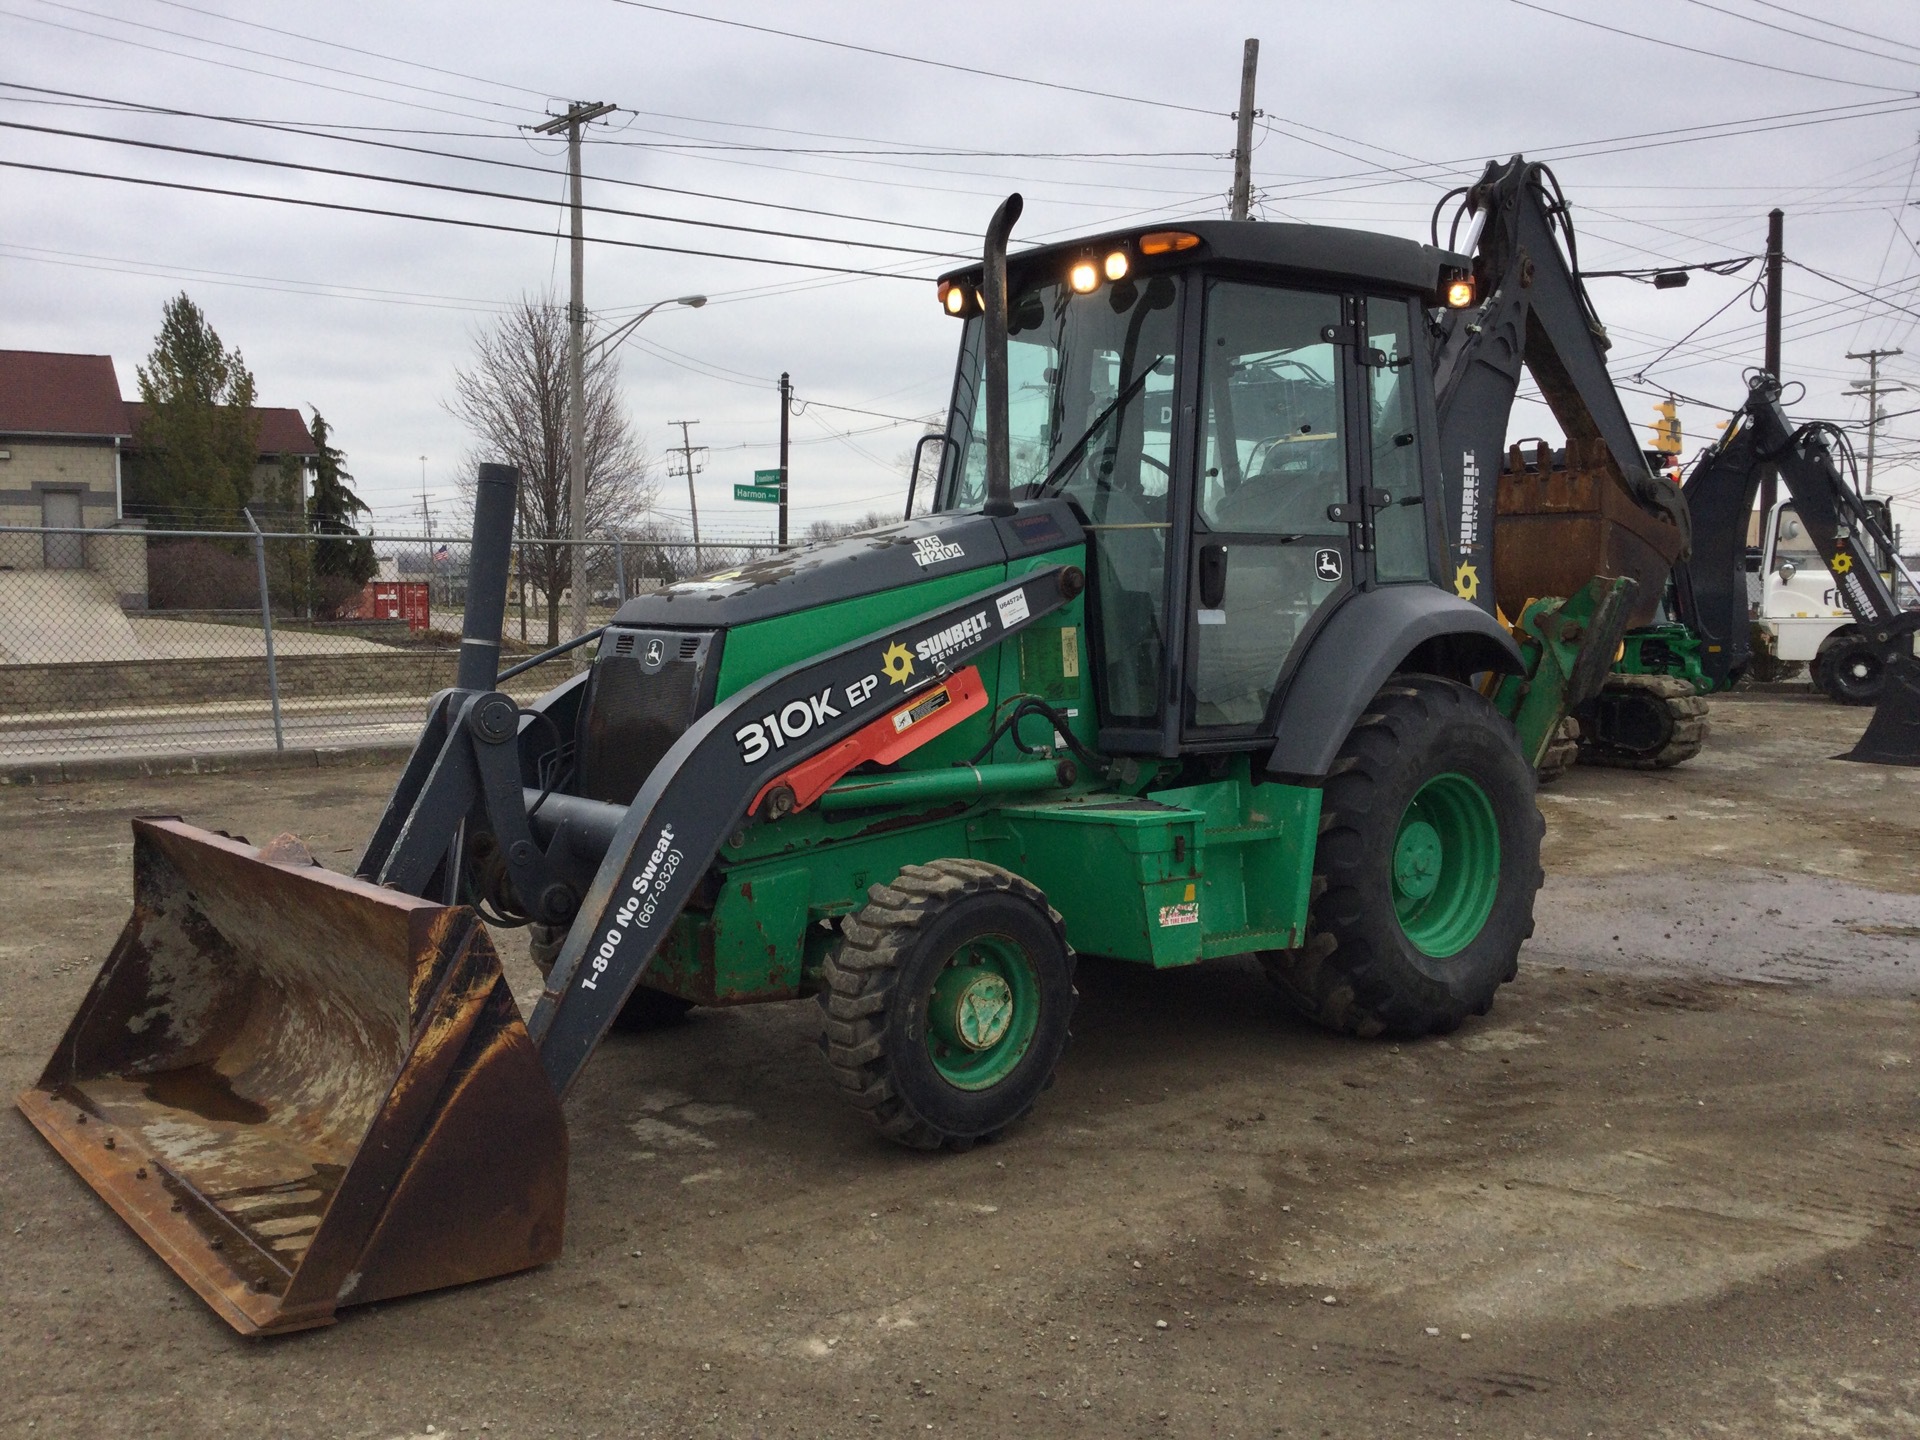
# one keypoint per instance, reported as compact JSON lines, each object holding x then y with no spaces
{"x":1072,"y":455}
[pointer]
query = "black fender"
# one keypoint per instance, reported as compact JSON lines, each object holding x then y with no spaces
{"x":1372,"y":635}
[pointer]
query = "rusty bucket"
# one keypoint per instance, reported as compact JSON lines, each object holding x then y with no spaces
{"x":302,"y":1090}
{"x":1561,"y":524}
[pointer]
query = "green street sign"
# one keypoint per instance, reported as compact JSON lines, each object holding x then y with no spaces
{"x":769,"y":494}
{"x":767,"y":477}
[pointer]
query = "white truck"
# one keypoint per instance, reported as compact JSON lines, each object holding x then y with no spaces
{"x":1801,"y":610}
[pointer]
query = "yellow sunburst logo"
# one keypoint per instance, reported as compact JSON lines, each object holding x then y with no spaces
{"x":897,"y":663}
{"x":1842,"y":563}
{"x":1466,"y":582}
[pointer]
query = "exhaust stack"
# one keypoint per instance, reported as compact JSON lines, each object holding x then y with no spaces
{"x":993,"y":296}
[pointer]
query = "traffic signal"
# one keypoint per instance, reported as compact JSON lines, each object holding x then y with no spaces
{"x":1666,"y":430}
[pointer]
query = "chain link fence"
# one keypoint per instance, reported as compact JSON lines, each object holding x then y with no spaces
{"x":130,"y":642}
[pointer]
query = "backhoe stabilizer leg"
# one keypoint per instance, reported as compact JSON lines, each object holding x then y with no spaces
{"x":700,"y":791}
{"x":1892,"y":736}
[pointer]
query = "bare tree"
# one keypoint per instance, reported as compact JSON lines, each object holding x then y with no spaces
{"x":823,"y":530}
{"x":513,"y":397}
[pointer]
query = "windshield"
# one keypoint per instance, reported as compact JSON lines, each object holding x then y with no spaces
{"x":1089,"y":402}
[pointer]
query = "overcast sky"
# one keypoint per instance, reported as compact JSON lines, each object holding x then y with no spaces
{"x":1372,"y":110}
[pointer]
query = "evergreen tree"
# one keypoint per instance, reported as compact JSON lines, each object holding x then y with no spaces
{"x":331,"y":511}
{"x":199,"y":437}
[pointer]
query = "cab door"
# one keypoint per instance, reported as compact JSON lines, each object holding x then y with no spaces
{"x":1274,"y":535}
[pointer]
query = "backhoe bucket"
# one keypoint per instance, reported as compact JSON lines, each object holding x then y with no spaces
{"x":1892,"y":736}
{"x":302,"y":1090}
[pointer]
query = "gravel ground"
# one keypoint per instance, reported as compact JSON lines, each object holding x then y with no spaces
{"x":1667,"y":1188}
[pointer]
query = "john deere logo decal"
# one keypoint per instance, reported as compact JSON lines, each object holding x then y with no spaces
{"x":1326,"y":564}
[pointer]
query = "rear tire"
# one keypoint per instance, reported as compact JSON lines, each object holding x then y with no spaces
{"x":1850,"y":669}
{"x":646,"y":1008}
{"x":1425,"y":870}
{"x":946,"y":1003}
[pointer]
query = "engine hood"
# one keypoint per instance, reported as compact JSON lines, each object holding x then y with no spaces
{"x":864,"y":564}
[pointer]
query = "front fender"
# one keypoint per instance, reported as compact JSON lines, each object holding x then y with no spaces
{"x":1373,"y":634}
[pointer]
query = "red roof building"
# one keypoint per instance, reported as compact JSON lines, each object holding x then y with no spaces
{"x":70,"y":396}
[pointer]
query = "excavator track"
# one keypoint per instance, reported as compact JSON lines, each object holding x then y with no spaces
{"x":1643,"y":722}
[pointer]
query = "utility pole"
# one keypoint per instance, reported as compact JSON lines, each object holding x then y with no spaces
{"x":1872,"y":388}
{"x":1776,"y":230}
{"x":688,"y":450}
{"x":578,"y":114}
{"x":1243,"y":135}
{"x":786,"y":406}
{"x":426,"y":517}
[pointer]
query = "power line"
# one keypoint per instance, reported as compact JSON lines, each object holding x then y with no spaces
{"x":312,"y":131}
{"x":271,"y":55}
{"x":1864,"y":294}
{"x":1835,"y":25}
{"x":248,"y":69}
{"x":350,"y":49}
{"x":1797,"y":34}
{"x":121,"y":265}
{"x":450,"y":220}
{"x":443,"y":186}
{"x":1694,"y":50}
{"x":923,"y":60}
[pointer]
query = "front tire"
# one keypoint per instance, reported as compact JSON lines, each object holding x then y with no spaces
{"x":946,"y":1003}
{"x":1425,"y":871}
{"x":1850,"y":669}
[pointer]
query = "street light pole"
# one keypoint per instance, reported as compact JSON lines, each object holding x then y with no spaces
{"x":619,"y":337}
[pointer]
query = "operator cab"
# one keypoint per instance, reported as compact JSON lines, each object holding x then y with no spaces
{"x":1236,"y":412}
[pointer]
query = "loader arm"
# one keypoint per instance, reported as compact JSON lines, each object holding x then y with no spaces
{"x":1533,"y":313}
{"x":703,"y":787}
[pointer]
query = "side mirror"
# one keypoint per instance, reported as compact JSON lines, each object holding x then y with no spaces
{"x":1213,"y":576}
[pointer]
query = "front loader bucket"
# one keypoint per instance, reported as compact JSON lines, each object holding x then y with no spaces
{"x":302,"y":1090}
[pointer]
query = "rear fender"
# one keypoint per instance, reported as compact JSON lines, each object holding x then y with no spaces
{"x":1371,"y":636}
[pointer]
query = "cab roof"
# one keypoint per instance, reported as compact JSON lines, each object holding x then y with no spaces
{"x":1326,"y":251}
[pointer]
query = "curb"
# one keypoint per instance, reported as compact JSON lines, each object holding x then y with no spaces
{"x":58,"y":772}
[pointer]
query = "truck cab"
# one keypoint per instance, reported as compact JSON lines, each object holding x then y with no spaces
{"x":1242,"y":416}
{"x":1800,"y":602}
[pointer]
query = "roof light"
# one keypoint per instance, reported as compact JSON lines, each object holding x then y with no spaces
{"x":952,"y":298}
{"x":1460,"y":293}
{"x":1116,"y":265}
{"x":1083,"y":277}
{"x":1162,"y":242}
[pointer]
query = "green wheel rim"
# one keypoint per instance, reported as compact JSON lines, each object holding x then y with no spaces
{"x":982,"y":1013}
{"x":1446,"y":865}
